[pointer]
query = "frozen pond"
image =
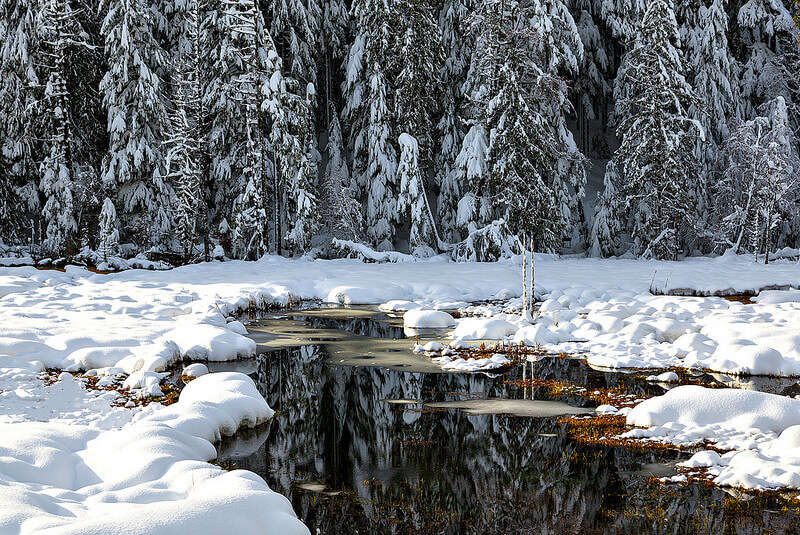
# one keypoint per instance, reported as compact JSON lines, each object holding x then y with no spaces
{"x":372,"y":438}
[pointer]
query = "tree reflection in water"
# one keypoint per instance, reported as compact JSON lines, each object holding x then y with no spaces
{"x":377,"y":467}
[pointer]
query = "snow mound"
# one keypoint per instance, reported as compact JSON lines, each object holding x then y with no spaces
{"x":427,"y":319}
{"x":697,"y":406}
{"x":666,"y":377}
{"x":195,"y":370}
{"x":209,"y":342}
{"x":149,"y":477}
{"x":483,"y":329}
{"x":762,"y":432}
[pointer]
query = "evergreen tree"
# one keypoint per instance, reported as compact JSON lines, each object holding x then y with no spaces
{"x":413,"y":201}
{"x":19,"y":81}
{"x":183,"y":162}
{"x":658,"y":137}
{"x":341,"y":211}
{"x":334,"y":25}
{"x":623,"y":17}
{"x":760,"y":185}
{"x":518,"y":149}
{"x":457,"y":48}
{"x":714,"y":70}
{"x":134,"y":95}
{"x":295,"y":28}
{"x":185,"y":144}
{"x":606,"y":225}
{"x":762,"y":23}
{"x":417,"y":85}
{"x":109,"y":231}
{"x":253,"y":80}
{"x":715,"y":74}
{"x":592,"y":89}
{"x":60,"y":32}
{"x":474,"y":210}
{"x":293,"y":139}
{"x":369,"y":113}
{"x":515,"y":48}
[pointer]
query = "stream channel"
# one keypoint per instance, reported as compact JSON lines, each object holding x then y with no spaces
{"x":371,"y":438}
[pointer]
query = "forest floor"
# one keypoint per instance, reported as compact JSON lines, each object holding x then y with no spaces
{"x":76,"y":459}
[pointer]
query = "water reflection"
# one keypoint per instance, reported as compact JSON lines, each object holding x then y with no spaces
{"x":352,"y":463}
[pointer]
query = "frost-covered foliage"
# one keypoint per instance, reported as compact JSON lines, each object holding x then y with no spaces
{"x":413,"y":200}
{"x":656,"y":157}
{"x":109,"y":230}
{"x":134,"y":94}
{"x":604,"y":237}
{"x":761,"y":183}
{"x":231,"y":123}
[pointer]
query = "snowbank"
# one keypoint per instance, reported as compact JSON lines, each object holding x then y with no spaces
{"x":761,"y":430}
{"x":427,"y":319}
{"x":148,"y":477}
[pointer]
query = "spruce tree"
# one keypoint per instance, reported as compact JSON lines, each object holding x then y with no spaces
{"x":608,"y":213}
{"x":413,"y":200}
{"x":134,"y":95}
{"x":656,"y":153}
{"x":368,"y":110}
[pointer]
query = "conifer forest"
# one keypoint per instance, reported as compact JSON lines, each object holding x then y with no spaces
{"x":186,"y":129}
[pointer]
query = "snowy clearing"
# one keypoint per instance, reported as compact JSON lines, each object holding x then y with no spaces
{"x":137,"y":323}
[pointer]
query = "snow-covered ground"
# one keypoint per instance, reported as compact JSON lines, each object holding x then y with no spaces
{"x":759,"y":431}
{"x":55,"y":470}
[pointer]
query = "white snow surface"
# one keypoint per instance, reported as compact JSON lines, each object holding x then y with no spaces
{"x":761,"y":430}
{"x":421,"y":318}
{"x":148,"y":477}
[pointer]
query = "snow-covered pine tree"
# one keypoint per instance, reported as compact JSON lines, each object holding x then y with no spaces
{"x":183,"y":161}
{"x":762,"y":23}
{"x":134,"y":95}
{"x":254,"y":83}
{"x":623,"y":17}
{"x":413,"y":199}
{"x":416,"y":98}
{"x":606,"y":226}
{"x":334,"y":25}
{"x":10,"y":209}
{"x":530,"y":44}
{"x":296,"y":158}
{"x":108,"y":237}
{"x":560,"y":52}
{"x":471,"y":170}
{"x":714,"y":71}
{"x":592,"y":90}
{"x":18,"y":106}
{"x":417,"y":85}
{"x":185,"y":144}
{"x":60,"y":33}
{"x":295,"y":29}
{"x":519,"y":147}
{"x":658,"y":137}
{"x":457,"y":47}
{"x":369,"y":113}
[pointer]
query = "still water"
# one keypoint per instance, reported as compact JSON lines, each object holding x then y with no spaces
{"x":357,"y":448}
